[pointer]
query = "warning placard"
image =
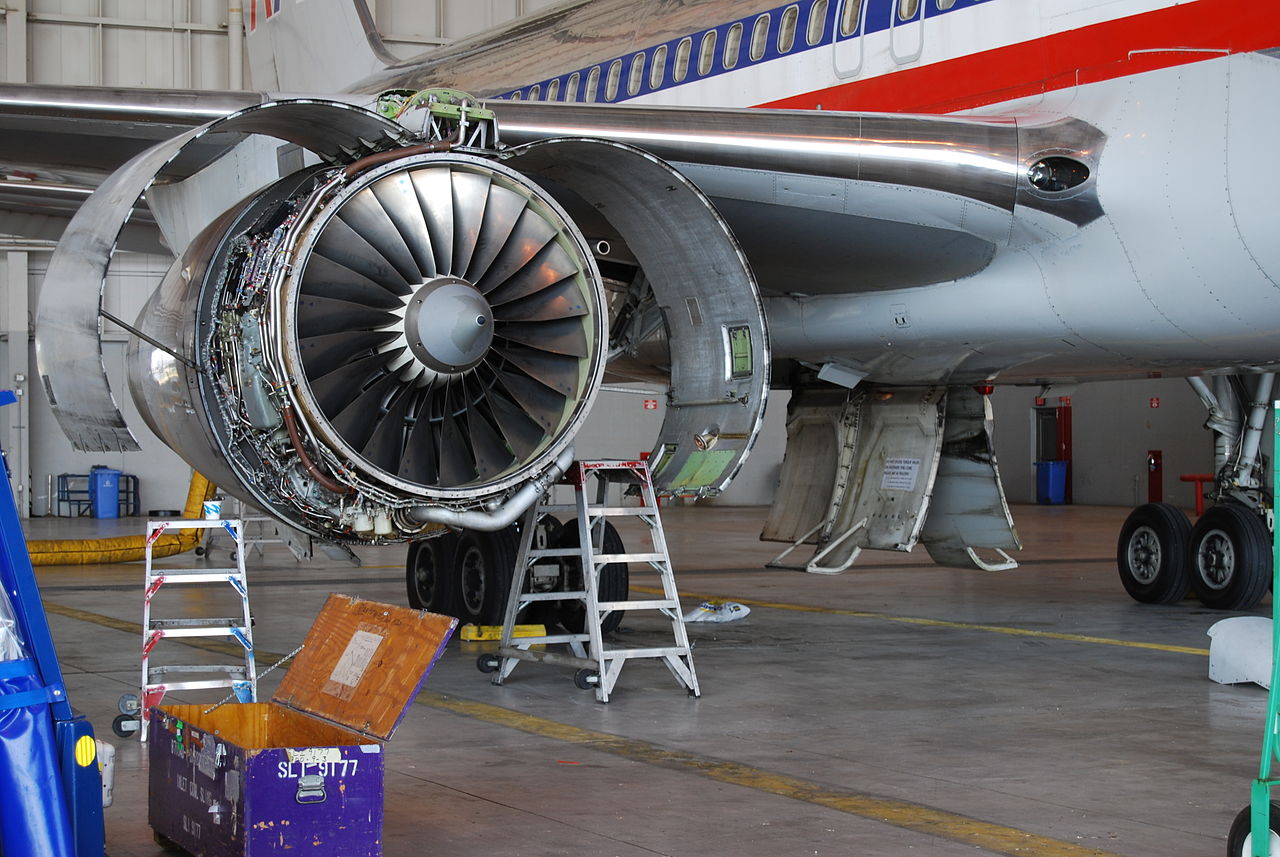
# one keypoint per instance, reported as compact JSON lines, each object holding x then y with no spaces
{"x":900,"y":474}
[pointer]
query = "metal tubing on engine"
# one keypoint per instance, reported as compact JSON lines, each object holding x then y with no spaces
{"x":506,"y":514}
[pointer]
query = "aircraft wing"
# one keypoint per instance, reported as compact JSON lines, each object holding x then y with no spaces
{"x":862,"y":201}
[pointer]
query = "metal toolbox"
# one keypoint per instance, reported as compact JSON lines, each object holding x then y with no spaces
{"x":302,"y":773}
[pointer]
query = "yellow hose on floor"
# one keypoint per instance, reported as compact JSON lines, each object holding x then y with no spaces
{"x":126,"y":548}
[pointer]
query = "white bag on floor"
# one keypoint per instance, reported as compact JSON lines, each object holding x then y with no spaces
{"x":1240,"y":650}
{"x":717,"y":611}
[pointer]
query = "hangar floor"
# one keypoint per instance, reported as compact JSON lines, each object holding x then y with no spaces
{"x":899,"y":708}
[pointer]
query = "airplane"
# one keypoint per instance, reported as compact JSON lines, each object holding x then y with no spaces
{"x":396,"y":297}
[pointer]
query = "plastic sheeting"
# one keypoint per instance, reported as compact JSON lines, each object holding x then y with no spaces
{"x":33,"y":814}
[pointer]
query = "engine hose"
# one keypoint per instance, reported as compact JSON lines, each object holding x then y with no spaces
{"x":326,"y":481}
{"x":377,"y":159}
{"x":126,"y":548}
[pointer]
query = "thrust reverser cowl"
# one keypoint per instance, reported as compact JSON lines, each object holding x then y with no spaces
{"x":429,"y":332}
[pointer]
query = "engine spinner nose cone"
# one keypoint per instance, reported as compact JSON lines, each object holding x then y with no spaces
{"x":448,"y":325}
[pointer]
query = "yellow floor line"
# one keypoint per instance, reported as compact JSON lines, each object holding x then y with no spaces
{"x":936,"y":623}
{"x":992,"y":838}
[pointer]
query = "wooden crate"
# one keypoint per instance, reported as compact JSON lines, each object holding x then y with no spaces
{"x":301,"y":774}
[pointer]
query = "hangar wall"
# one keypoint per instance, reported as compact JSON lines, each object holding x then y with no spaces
{"x":183,"y":44}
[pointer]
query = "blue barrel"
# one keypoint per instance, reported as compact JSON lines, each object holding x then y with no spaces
{"x":1051,"y":482}
{"x":104,"y":492}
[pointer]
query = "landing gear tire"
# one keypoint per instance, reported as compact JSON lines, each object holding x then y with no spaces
{"x":483,"y":565}
{"x":1152,"y":554}
{"x":585,"y":679}
{"x":1240,"y":839}
{"x":615,"y":580}
{"x":1230,"y":565}
{"x":427,"y":574}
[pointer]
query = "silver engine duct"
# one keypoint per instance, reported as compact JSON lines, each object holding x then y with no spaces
{"x":356,"y":345}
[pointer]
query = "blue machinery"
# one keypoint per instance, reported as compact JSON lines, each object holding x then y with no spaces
{"x":50,"y":787}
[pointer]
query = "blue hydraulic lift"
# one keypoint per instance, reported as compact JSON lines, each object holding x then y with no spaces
{"x":50,"y":785}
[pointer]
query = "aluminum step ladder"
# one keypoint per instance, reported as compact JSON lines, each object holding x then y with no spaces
{"x":598,"y":665}
{"x":242,"y":679}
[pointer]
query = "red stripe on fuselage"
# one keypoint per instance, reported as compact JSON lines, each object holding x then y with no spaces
{"x":1126,"y":46}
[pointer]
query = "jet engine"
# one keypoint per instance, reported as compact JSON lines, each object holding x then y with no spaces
{"x":410,"y":331}
{"x":371,"y":341}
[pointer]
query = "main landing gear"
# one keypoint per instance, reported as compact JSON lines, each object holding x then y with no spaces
{"x":1225,"y":559}
{"x":468,"y":574}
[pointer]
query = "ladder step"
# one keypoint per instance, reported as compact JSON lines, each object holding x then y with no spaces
{"x":604,"y":558}
{"x":531,"y":597}
{"x":230,"y":669}
{"x":189,"y":685}
{"x":610,"y":606}
{"x":213,"y":575}
{"x":661,"y":652}
{"x":202,"y":622}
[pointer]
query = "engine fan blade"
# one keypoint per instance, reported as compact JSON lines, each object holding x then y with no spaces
{"x":560,"y":373}
{"x":563,"y":300}
{"x":522,"y":434}
{"x":470,"y":198}
{"x":492,"y":455}
{"x":326,"y":278}
{"x":340,"y":387}
{"x":365,"y":215}
{"x":418,"y":462}
{"x":318,"y":316}
{"x":358,"y":420}
{"x":538,"y":402}
{"x":550,"y":267}
{"x":323,"y":354}
{"x":530,"y":234}
{"x":386,"y":447}
{"x":435,"y":196}
{"x":500,"y":217}
{"x":400,"y":200}
{"x":563,"y":336}
{"x":340,"y":243}
{"x":457,"y":464}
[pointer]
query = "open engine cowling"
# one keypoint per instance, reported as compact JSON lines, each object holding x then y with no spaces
{"x":368,"y":342}
{"x":408,"y":334}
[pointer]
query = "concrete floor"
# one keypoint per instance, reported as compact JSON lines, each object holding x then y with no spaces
{"x":899,"y":708}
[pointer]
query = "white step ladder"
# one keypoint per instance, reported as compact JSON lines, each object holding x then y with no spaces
{"x":241,"y":678}
{"x":598,"y":665}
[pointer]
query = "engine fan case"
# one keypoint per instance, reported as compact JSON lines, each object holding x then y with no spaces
{"x":429,"y":332}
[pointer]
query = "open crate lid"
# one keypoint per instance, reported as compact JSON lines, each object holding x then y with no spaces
{"x":363,"y":663}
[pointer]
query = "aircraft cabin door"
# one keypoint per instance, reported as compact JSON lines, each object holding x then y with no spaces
{"x":906,"y":30}
{"x":846,"y":41}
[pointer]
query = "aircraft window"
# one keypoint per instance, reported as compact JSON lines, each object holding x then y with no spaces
{"x":817,"y":21}
{"x":850,"y":17}
{"x":534,"y":92}
{"x":515,"y":96}
{"x":944,"y":5}
{"x":571,"y":88}
{"x":682,"y":59}
{"x":787,"y":31}
{"x":637,"y":74}
{"x":707,"y":53}
{"x":759,"y":37}
{"x":658,"y":67}
{"x":553,"y":90}
{"x":907,"y":9}
{"x":611,"y":82}
{"x":593,"y":83}
{"x":732,"y":45}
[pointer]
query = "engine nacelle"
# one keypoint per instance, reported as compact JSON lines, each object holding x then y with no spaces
{"x":357,"y":344}
{"x":409,"y":334}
